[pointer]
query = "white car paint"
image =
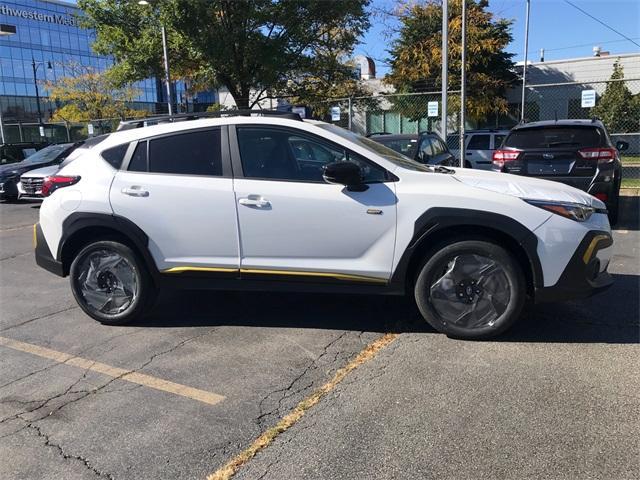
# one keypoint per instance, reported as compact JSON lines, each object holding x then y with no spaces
{"x":302,"y":226}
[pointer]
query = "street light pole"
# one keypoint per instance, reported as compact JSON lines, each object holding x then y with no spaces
{"x":524,"y":66}
{"x":35,"y":82}
{"x":445,"y":65}
{"x":463,"y":81}
{"x":167,"y":78}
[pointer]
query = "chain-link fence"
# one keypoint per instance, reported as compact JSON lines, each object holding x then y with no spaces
{"x":415,"y":113}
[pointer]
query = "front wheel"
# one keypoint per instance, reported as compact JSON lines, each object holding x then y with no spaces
{"x":110,"y":283}
{"x":470,"y":289}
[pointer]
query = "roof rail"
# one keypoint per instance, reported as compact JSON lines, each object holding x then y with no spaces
{"x":181,"y":117}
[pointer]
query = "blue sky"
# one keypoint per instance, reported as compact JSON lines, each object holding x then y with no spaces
{"x":562,"y":30}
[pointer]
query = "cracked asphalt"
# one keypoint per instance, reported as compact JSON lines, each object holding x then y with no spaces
{"x":557,"y":397}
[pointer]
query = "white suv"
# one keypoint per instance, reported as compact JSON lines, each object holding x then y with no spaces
{"x":274,"y":203}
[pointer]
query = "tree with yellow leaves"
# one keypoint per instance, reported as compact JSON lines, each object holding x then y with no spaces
{"x":416,"y":56}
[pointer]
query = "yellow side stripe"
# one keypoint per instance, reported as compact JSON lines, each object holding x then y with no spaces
{"x":594,"y":242}
{"x":35,"y":238}
{"x":338,"y":276}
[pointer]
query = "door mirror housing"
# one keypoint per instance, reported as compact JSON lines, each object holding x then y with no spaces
{"x":345,"y":173}
{"x":622,"y":146}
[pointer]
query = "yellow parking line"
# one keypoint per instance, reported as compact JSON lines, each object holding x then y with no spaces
{"x":116,"y":372}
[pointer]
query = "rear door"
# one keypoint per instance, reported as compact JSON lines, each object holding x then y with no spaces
{"x":178,"y":189}
{"x":479,"y":151}
{"x":554,"y":152}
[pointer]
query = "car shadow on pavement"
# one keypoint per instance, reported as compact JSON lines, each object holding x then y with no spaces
{"x":610,"y":317}
{"x":629,"y":213}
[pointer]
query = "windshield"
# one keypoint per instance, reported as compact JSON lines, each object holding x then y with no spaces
{"x":377,"y":148}
{"x":47,"y":154}
{"x":545,"y":137}
{"x":405,"y":146}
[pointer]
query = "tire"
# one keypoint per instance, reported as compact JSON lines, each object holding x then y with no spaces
{"x":467,"y":164}
{"x":110,"y":272}
{"x":614,"y":205}
{"x":459,"y":297}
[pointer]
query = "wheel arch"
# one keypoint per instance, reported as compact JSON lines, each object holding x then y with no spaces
{"x":439,"y":225}
{"x":79,"y":229}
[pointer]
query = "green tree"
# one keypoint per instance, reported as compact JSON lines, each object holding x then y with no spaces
{"x":416,"y":56}
{"x":618,"y":108}
{"x":87,"y":94}
{"x":254,"y":48}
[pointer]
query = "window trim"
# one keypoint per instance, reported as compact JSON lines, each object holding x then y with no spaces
{"x":224,"y":152}
{"x":236,"y":161}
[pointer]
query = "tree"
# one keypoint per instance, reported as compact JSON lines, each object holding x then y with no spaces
{"x":416,"y":56}
{"x":87,"y":94}
{"x":254,"y":48}
{"x":618,"y":108}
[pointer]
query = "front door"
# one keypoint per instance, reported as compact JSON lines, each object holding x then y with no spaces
{"x":175,"y":190}
{"x":295,"y":225}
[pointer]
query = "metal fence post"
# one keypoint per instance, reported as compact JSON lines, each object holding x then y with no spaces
{"x":66,"y":126}
{"x":350,"y":114}
{"x":20,"y":132}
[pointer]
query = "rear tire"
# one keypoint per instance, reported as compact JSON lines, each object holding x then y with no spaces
{"x":470,"y":289}
{"x":111,"y":284}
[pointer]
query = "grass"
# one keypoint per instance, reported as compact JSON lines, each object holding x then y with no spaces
{"x":631,"y":160}
{"x":230,"y":468}
{"x":630,"y":183}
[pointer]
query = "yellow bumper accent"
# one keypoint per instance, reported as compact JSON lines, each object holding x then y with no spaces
{"x":586,"y":258}
{"x":35,"y":237}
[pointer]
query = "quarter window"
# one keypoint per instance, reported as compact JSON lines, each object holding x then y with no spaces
{"x":193,"y":153}
{"x":115,"y":155}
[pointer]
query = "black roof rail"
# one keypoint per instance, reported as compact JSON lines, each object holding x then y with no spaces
{"x":181,"y":117}
{"x":373,"y":134}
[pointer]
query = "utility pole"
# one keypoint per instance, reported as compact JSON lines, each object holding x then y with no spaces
{"x":526,"y":55}
{"x":445,"y":67}
{"x":35,"y":83}
{"x":167,"y":80}
{"x":463,"y":81}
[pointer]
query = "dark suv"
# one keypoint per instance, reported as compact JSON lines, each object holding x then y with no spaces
{"x":579,"y":153}
{"x":425,"y":147}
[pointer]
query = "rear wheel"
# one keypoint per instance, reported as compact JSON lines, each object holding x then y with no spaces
{"x":110,"y":283}
{"x":471,"y":289}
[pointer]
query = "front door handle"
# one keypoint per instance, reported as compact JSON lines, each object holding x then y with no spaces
{"x":135,"y":191}
{"x":254,"y":201}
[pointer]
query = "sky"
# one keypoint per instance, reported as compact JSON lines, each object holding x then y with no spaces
{"x":562,"y":30}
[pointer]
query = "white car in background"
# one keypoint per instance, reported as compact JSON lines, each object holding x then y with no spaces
{"x":268,"y":201}
{"x":479,"y":147}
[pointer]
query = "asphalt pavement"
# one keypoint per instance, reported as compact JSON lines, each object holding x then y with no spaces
{"x":179,"y":395}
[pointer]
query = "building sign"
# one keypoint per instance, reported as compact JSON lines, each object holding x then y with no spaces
{"x":335,"y":114}
{"x":58,"y":19}
{"x":432,"y":109}
{"x":588,"y":98}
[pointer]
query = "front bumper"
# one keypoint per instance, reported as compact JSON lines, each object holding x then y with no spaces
{"x":8,"y":189}
{"x":43,"y":255}
{"x":585,"y":274}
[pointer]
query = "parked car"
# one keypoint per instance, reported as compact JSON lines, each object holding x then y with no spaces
{"x":10,"y":173}
{"x":17,"y":152}
{"x":579,"y":153}
{"x":425,"y":148}
{"x":268,"y":202}
{"x":479,"y":146}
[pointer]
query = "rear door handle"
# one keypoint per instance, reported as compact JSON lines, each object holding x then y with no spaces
{"x":254,"y":201}
{"x":135,"y":191}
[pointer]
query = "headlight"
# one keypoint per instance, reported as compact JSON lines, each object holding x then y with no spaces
{"x":575,"y":211}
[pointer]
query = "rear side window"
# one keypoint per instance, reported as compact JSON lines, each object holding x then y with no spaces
{"x":193,"y":153}
{"x":138,"y":161}
{"x":497,"y":140}
{"x":115,"y":155}
{"x":546,"y":137}
{"x":479,"y":142}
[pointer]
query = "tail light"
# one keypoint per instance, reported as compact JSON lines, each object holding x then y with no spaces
{"x":502,"y":156}
{"x":601,"y":196}
{"x":53,"y":183}
{"x":601,"y":155}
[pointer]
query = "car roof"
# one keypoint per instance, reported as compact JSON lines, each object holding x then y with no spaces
{"x":395,"y":136}
{"x":594,"y":122}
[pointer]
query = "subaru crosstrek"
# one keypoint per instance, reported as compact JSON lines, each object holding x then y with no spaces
{"x":274,"y":203}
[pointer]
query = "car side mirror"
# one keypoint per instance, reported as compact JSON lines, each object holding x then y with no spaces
{"x":345,"y":173}
{"x":622,"y":146}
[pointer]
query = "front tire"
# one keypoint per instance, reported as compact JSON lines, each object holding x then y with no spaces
{"x":470,"y":289}
{"x":110,"y":283}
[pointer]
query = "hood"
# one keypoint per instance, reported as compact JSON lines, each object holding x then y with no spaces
{"x":525,"y":187}
{"x":42,"y":172}
{"x":16,"y":168}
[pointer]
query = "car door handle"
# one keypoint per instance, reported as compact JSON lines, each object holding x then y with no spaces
{"x":135,"y":191}
{"x":254,"y":201}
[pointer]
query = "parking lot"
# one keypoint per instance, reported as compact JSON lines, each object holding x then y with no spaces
{"x":183,"y":393}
